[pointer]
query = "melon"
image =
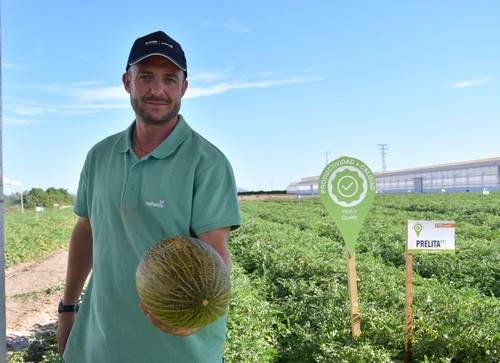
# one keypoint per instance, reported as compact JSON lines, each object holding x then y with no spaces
{"x":183,"y":283}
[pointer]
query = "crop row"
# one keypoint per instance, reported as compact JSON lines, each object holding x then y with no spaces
{"x":31,"y":235}
{"x":290,"y":302}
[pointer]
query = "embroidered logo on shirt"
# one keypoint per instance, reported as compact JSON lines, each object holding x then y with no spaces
{"x":159,"y":204}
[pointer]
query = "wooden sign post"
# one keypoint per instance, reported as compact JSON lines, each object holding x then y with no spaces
{"x":408,"y":311}
{"x":423,"y":237}
{"x":353,"y":295}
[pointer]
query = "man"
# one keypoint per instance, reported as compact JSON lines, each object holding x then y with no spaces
{"x":156,"y":179}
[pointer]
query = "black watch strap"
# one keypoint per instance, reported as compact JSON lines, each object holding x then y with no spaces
{"x":66,"y":308}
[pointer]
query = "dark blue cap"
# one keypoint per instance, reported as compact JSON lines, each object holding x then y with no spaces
{"x":157,"y":43}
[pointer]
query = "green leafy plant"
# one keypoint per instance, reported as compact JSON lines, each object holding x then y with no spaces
{"x":290,"y":301}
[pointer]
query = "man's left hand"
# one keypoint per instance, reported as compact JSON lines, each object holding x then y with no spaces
{"x":168,"y":329}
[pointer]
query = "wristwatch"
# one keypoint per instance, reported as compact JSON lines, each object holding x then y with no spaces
{"x":67,"y":308}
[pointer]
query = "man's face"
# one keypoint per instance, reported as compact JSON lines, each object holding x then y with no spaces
{"x":156,"y":87}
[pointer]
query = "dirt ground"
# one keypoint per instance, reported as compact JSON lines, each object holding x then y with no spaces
{"x":32,"y":298}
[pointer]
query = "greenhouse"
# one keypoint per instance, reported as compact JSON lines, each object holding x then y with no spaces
{"x":471,"y":176}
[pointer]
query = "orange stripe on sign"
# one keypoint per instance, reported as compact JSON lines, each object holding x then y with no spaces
{"x":444,"y":225}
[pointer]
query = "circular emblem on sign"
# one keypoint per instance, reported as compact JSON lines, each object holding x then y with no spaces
{"x":418,"y":228}
{"x":347,"y":186}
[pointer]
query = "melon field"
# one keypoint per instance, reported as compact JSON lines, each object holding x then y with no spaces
{"x":290,"y":301}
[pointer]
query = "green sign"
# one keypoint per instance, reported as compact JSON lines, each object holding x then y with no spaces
{"x":347,"y":188}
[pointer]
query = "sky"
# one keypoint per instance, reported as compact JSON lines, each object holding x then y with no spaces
{"x":280,"y":87}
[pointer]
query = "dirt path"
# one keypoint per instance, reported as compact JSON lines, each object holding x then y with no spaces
{"x":31,"y":298}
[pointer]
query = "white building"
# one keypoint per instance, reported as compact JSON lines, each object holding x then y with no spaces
{"x":477,"y":175}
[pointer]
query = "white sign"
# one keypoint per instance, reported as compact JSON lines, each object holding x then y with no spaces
{"x":430,"y":237}
{"x":8,"y":181}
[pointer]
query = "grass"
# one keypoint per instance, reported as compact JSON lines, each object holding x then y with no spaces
{"x":31,"y":235}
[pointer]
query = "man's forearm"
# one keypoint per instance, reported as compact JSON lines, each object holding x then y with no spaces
{"x":218,"y":239}
{"x":79,"y":261}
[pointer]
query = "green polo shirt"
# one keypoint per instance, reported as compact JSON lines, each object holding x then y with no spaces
{"x":184,"y":187}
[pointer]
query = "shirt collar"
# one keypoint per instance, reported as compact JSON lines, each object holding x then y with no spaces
{"x":167,"y":147}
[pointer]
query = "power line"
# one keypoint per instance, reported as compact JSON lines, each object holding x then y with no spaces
{"x":383,"y":152}
{"x":326,"y":156}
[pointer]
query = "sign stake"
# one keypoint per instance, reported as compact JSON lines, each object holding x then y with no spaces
{"x":408,"y":310}
{"x":353,"y":294}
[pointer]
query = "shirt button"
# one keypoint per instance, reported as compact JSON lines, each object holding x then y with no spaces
{"x":131,"y":187}
{"x":135,"y":168}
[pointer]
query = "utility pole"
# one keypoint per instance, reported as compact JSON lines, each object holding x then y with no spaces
{"x":383,"y":152}
{"x":3,"y":320}
{"x":326,"y":156}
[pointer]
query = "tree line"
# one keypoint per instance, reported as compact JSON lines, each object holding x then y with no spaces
{"x":38,"y":197}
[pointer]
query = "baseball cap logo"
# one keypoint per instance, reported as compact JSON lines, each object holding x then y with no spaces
{"x":158,"y":42}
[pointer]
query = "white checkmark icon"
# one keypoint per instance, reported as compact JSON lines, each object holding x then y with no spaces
{"x":345,"y":187}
